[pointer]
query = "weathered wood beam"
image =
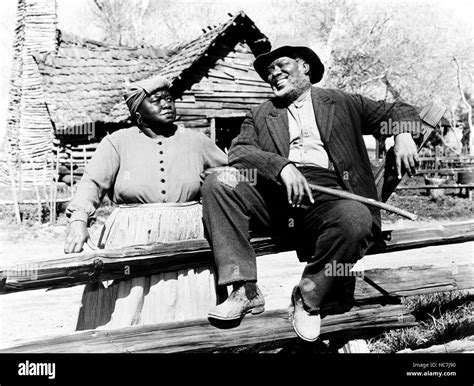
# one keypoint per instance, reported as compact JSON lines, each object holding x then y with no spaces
{"x":455,"y":346}
{"x":453,"y":186}
{"x":355,"y":346}
{"x":109,"y":264}
{"x":268,"y":330}
{"x":415,"y":280}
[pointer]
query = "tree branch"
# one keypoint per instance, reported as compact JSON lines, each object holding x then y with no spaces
{"x":467,"y":104}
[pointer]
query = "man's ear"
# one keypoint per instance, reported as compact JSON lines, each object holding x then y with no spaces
{"x":305,"y":67}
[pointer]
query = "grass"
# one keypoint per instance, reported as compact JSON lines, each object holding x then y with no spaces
{"x":442,"y":317}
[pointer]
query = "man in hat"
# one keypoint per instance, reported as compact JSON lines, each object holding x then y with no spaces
{"x":303,"y":135}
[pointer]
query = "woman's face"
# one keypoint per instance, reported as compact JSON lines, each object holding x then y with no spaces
{"x":158,"y":109}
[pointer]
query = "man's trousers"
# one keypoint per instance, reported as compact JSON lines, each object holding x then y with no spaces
{"x":333,"y":233}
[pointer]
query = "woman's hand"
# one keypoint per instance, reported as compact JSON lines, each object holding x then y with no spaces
{"x":296,"y":185}
{"x":77,"y":235}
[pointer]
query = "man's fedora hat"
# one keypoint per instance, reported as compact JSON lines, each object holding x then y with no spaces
{"x":291,"y":47}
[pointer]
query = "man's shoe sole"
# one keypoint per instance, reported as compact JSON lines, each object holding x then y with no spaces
{"x":301,"y":336}
{"x":254,"y":311}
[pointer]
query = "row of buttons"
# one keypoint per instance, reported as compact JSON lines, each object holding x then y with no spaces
{"x":162,"y":169}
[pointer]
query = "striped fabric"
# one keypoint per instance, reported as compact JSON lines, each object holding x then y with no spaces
{"x":342,"y":119}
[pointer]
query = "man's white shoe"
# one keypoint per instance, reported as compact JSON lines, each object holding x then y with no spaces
{"x":307,"y":325}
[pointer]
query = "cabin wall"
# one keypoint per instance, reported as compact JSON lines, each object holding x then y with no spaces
{"x":228,"y":90}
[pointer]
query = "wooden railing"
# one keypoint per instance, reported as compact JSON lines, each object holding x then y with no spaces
{"x":374,"y":312}
{"x":136,"y":261}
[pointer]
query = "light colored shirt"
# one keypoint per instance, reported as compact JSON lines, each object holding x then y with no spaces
{"x":306,"y":146}
{"x":133,"y":168}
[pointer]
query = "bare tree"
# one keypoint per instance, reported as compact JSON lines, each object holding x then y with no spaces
{"x":465,"y":102}
{"x":121,"y":20}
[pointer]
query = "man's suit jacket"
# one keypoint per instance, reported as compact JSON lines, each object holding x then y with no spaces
{"x":342,"y":119}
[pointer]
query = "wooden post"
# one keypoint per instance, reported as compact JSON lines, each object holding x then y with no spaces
{"x":213,"y":129}
{"x":51,"y":187}
{"x":55,"y":191}
{"x":20,"y":179}
{"x":45,"y":189}
{"x":45,"y":166}
{"x":71,"y":173}
{"x":35,"y":184}
{"x":377,"y":149}
{"x":13,"y":186}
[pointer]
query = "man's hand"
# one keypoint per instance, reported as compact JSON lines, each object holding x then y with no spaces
{"x":405,"y":153}
{"x":77,"y":235}
{"x":296,"y":185}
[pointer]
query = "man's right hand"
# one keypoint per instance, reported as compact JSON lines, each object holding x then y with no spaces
{"x":296,"y":185}
{"x":77,"y":235}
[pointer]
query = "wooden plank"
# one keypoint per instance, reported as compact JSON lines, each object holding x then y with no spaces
{"x":209,"y":87}
{"x":355,"y":346}
{"x":455,"y":346}
{"x":213,"y":129}
{"x":217,"y":95}
{"x":270,"y":329}
{"x":449,"y":171}
{"x":231,"y":99}
{"x":416,"y":280}
{"x":30,"y":202}
{"x":454,"y":186}
{"x":216,"y":113}
{"x":108,"y":264}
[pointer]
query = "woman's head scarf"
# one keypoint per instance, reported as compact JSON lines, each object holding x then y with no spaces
{"x":138,"y":91}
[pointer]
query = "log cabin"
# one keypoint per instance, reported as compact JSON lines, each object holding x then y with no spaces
{"x":67,"y":92}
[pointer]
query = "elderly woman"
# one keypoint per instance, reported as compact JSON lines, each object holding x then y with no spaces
{"x":156,"y":164}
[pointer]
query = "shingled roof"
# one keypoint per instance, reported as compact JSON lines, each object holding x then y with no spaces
{"x":85,"y":80}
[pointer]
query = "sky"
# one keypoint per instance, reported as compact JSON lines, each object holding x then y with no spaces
{"x":260,"y":11}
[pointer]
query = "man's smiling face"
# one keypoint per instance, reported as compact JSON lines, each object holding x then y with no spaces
{"x":288,"y":77}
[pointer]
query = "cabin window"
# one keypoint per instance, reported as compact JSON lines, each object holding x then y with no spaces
{"x":226,"y":130}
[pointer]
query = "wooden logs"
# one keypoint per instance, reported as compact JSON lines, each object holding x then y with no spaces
{"x":108,"y":264}
{"x":455,"y":346}
{"x":268,"y":330}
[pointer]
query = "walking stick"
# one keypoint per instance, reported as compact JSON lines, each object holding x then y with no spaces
{"x":364,"y":200}
{"x":331,"y":191}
